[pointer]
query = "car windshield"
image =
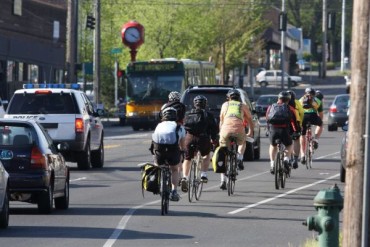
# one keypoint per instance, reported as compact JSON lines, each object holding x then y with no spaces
{"x":267,"y":100}
{"x":16,"y":135}
{"x":215,"y":98}
{"x":342,"y":101}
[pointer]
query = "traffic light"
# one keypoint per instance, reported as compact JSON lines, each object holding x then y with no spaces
{"x":331,"y":20}
{"x":120,"y":73}
{"x":90,"y":22}
{"x":283,"y":19}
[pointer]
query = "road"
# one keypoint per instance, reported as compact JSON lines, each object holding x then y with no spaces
{"x":107,"y":207}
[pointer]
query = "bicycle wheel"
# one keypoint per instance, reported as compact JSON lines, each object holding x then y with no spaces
{"x":282,"y":172}
{"x":164,"y":193}
{"x":231,"y":175}
{"x":307,"y":153}
{"x":191,"y":180}
{"x":277,"y":170}
{"x":198,"y":184}
{"x":310,"y":153}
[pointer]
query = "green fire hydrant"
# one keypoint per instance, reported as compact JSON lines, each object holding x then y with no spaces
{"x":328,"y":203}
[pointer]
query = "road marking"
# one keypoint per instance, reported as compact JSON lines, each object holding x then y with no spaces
{"x":288,"y":192}
{"x":133,"y":136}
{"x":77,"y":179}
{"x":111,"y":146}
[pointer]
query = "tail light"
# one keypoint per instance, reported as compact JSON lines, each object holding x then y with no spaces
{"x":333,"y":109}
{"x":38,"y":160}
{"x":79,"y":125}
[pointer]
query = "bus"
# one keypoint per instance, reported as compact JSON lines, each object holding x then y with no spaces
{"x":148,"y":84}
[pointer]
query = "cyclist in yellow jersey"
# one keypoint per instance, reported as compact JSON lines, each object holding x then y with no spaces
{"x":234,"y":117}
{"x":299,"y":113}
{"x":313,"y":111}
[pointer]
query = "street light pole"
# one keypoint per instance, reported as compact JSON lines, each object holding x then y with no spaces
{"x":324,"y":33}
{"x":342,"y":34}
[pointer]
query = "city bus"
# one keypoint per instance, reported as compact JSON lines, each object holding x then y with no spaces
{"x":148,"y":84}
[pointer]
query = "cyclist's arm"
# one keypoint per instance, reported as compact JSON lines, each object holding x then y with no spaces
{"x":222,"y":113}
{"x":248,"y":118}
{"x":293,"y":119}
{"x":300,"y":111}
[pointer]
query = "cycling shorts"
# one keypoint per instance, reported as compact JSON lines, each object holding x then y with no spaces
{"x":313,"y":118}
{"x":225,"y":141}
{"x":202,"y":143}
{"x":282,"y":134}
{"x":171,"y":158}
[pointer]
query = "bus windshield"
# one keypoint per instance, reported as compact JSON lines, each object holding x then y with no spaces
{"x":143,"y":88}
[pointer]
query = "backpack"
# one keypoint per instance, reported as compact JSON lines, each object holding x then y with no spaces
{"x":150,"y":178}
{"x":219,"y":160}
{"x":196,"y":121}
{"x":279,"y":114}
{"x":307,"y":102}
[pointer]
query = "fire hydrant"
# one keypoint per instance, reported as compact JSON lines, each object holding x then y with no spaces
{"x":328,"y":203}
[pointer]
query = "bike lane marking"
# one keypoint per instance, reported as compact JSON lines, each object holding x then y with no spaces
{"x":288,"y":192}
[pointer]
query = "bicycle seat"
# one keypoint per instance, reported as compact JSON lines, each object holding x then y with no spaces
{"x":278,"y":141}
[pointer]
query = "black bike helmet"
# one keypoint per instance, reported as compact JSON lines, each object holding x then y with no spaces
{"x":292,"y":94}
{"x":319,"y":95}
{"x":169,"y":114}
{"x":310,"y":91}
{"x":174,"y":96}
{"x":233,"y":94}
{"x":200,"y":101}
{"x":284,"y":96}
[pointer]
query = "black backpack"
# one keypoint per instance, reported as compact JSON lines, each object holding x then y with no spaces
{"x":196,"y":121}
{"x":279,"y":114}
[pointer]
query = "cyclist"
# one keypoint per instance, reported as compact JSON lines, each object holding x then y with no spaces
{"x":200,"y":138}
{"x":299,"y":113}
{"x":313,"y":113}
{"x":281,"y":127}
{"x":234,"y":117}
{"x":168,"y":140}
{"x":320,"y":110}
{"x":174,"y":101}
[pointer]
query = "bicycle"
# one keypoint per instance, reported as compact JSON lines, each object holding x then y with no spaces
{"x":281,"y":173}
{"x":231,"y":160}
{"x":309,"y":146}
{"x":195,"y":183}
{"x":165,"y":188}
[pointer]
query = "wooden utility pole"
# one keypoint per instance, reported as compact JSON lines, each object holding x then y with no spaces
{"x":71,"y":42}
{"x":353,"y":200}
{"x":97,"y":53}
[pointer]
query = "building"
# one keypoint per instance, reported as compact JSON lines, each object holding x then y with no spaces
{"x":32,"y":43}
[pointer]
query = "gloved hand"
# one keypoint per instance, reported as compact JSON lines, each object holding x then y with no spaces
{"x":296,"y":135}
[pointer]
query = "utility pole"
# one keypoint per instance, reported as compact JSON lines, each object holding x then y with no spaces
{"x":342,"y":53}
{"x":324,"y":34}
{"x":71,"y":41}
{"x":355,"y":197}
{"x":97,"y":52}
{"x":282,"y":49}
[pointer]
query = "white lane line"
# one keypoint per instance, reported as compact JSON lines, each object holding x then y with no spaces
{"x":288,"y":192}
{"x":132,"y":136}
{"x":77,"y":179}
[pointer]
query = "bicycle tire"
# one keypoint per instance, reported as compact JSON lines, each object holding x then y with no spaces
{"x":282,"y":175}
{"x":231,"y":176}
{"x":309,"y":158}
{"x":191,"y":188}
{"x":276,"y":170}
{"x":164,"y":193}
{"x":198,"y":184}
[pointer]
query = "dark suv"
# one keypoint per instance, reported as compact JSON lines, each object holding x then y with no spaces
{"x":216,"y":96}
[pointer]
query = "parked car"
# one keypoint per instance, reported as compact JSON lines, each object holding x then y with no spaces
{"x":2,"y":107}
{"x":343,"y":153}
{"x":68,"y":115}
{"x":337,"y":115}
{"x":348,"y":83}
{"x":4,"y":199}
{"x":263,"y":102}
{"x":273,"y":77}
{"x":37,"y":170}
{"x":216,"y":96}
{"x":304,"y":65}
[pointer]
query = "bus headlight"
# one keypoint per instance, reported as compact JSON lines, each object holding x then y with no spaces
{"x":132,"y":114}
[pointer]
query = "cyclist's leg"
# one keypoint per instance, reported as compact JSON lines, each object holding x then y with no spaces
{"x":241,"y":141}
{"x":189,"y":154}
{"x":224,"y":142}
{"x":173,"y":159}
{"x":273,"y":147}
{"x":287,"y":141}
{"x":302,"y":140}
{"x":316,"y":120}
{"x":204,"y":146}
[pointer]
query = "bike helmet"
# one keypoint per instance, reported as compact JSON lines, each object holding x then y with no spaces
{"x":174,"y":96}
{"x":284,"y":96}
{"x":169,"y":114}
{"x":292,"y":94}
{"x":310,"y":90}
{"x":319,"y":95}
{"x":200,"y":101}
{"x":233,"y":94}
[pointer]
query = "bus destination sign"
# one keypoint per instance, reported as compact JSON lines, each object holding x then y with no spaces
{"x":155,"y":67}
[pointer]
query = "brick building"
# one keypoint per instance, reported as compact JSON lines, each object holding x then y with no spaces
{"x":32,"y":42}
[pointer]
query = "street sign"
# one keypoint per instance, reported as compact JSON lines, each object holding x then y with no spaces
{"x":116,"y":51}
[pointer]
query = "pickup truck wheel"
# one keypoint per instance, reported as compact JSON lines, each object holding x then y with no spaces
{"x":84,"y":159}
{"x":4,"y":215}
{"x":97,"y":156}
{"x":45,"y":202}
